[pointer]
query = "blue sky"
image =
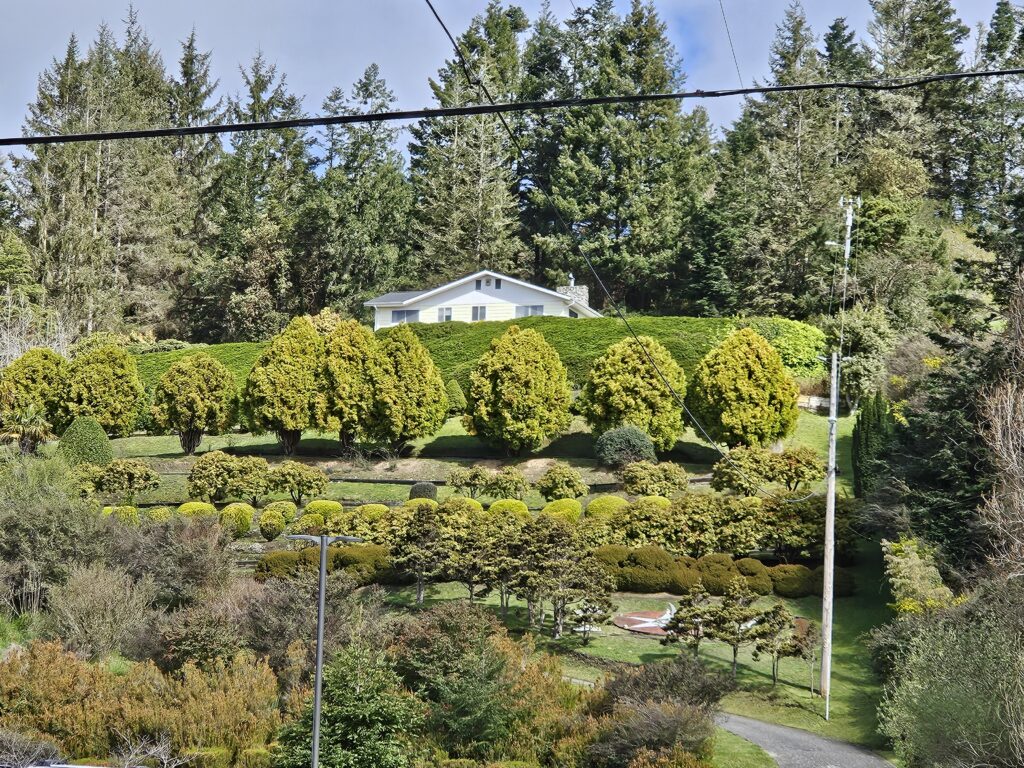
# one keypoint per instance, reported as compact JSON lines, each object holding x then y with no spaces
{"x":323,"y":43}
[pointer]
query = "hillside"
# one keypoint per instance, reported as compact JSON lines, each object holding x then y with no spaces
{"x":456,"y":347}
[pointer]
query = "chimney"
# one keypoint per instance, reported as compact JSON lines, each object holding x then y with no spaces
{"x":578,"y":293}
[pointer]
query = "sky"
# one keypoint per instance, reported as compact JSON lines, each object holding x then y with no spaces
{"x":321,"y":44}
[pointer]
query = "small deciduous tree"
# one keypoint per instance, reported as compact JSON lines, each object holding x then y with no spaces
{"x":469,"y":481}
{"x":507,"y":483}
{"x":102,"y":382}
{"x":741,"y":393}
{"x":248,"y":478}
{"x":352,"y":365}
{"x":561,"y":481}
{"x":123,"y":479}
{"x":519,"y":393}
{"x":195,"y":396}
{"x":736,"y":618}
{"x":208,"y":478}
{"x":298,"y":480}
{"x":421,"y":544}
{"x":410,"y":399}
{"x":747,"y":469}
{"x":282,"y":393}
{"x":624,"y":387}
{"x":642,"y":478}
{"x":693,"y":616}
{"x":776,"y":638}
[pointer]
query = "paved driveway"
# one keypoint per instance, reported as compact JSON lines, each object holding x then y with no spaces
{"x":793,"y":748}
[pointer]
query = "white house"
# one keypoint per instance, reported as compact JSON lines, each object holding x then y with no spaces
{"x":484,"y":295}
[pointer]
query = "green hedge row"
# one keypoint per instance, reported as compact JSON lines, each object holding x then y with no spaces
{"x":456,"y":347}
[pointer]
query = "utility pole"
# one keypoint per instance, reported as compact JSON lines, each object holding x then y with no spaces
{"x":324,"y":542}
{"x":830,"y":492}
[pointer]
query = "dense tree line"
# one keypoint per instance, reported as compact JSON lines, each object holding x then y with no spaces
{"x":212,"y":241}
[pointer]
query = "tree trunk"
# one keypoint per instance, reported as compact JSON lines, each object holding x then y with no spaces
{"x":346,"y":440}
{"x":289,"y":440}
{"x":735,"y":658}
{"x":190,"y":439}
{"x":419,"y":589}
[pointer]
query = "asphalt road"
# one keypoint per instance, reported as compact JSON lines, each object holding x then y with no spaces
{"x":793,"y":748}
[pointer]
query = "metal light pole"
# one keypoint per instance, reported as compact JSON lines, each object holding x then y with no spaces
{"x":323,"y":541}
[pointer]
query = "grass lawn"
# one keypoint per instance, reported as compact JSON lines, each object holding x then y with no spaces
{"x":733,"y":751}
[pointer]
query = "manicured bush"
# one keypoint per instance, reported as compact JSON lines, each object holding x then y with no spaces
{"x":456,"y":397}
{"x":652,"y":557}
{"x":124,"y":514}
{"x":366,"y":520}
{"x":461,"y":505}
{"x":624,"y":445}
{"x":35,"y":380}
{"x":157,"y":514}
{"x":717,"y":572}
{"x":612,"y":555}
{"x":123,"y":479}
{"x":248,"y":478}
{"x":642,"y":478}
{"x":510,"y":508}
{"x":298,"y":480}
{"x":282,"y":393}
{"x":756,"y":574}
{"x":312,"y":524}
{"x":278,"y":565}
{"x":287,"y":509}
{"x":681,"y":579}
{"x":352,"y":363}
{"x":417,"y":502}
{"x":742,"y":394}
{"x":658,"y":501}
{"x":519,"y":393}
{"x":624,"y":387}
{"x":85,"y":442}
{"x":410,"y":397}
{"x":104,"y":383}
{"x":363,"y":562}
{"x":326,"y":508}
{"x":237,"y":518}
{"x":272,"y":524}
{"x":605,"y":507}
{"x":423,"y":490}
{"x":632,"y":578}
{"x":197,"y":509}
{"x":507,"y":483}
{"x":195,"y":396}
{"x":209,"y":476}
{"x":562,"y":482}
{"x":568,"y":509}
{"x":792,"y":580}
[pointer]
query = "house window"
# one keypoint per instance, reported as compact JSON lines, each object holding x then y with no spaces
{"x":399,"y":316}
{"x":444,"y":314}
{"x":497,"y":282}
{"x":479,"y":313}
{"x":530,"y":310}
{"x":479,"y":284}
{"x":573,"y":314}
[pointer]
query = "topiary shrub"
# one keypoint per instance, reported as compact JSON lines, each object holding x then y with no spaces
{"x":85,"y":442}
{"x":756,"y":574}
{"x":209,"y":476}
{"x":326,"y":508}
{"x":717,"y":572}
{"x":510,"y":508}
{"x":124,"y":514}
{"x":286,"y":509}
{"x":237,"y":518}
{"x":298,"y":480}
{"x":624,"y":445}
{"x":423,"y":490}
{"x":352,"y":362}
{"x":568,"y":509}
{"x":605,"y":507}
{"x":456,"y":397}
{"x":364,"y":562}
{"x":278,"y":565}
{"x":309,"y":524}
{"x":652,"y":557}
{"x":196,"y":395}
{"x":844,"y":584}
{"x":657,"y":501}
{"x":197,"y":509}
{"x":642,"y":478}
{"x":507,"y":483}
{"x":562,"y":482}
{"x":123,"y":479}
{"x":636,"y":579}
{"x":272,"y":524}
{"x":612,"y":555}
{"x":681,"y":579}
{"x":102,"y":382}
{"x":157,"y":514}
{"x":792,"y":580}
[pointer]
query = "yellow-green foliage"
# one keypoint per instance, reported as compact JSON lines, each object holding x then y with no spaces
{"x":298,"y":480}
{"x":124,"y":514}
{"x":286,"y":509}
{"x":157,"y":514}
{"x":519,"y":393}
{"x":195,"y":396}
{"x":236,"y":519}
{"x":624,"y":387}
{"x":36,"y":379}
{"x":742,"y":394}
{"x":122,"y":479}
{"x":605,"y":507}
{"x":209,"y":476}
{"x":917,"y":585}
{"x":102,"y":382}
{"x":271,"y":524}
{"x":313,"y":524}
{"x":326,"y":508}
{"x":567,"y":509}
{"x":282,"y":393}
{"x":197,"y":509}
{"x":510,"y":508}
{"x":367,"y":521}
{"x":410,"y":400}
{"x":417,"y":502}
{"x":562,"y":482}
{"x":85,"y":442}
{"x":352,"y":363}
{"x":642,"y":478}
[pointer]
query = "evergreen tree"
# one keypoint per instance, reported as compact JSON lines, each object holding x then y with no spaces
{"x":352,"y":366}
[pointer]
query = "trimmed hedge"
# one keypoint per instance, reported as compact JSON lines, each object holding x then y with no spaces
{"x":423,"y":490}
{"x":307,"y":523}
{"x":792,"y":580}
{"x":85,"y":442}
{"x":272,"y":524}
{"x":756,"y":574}
{"x":624,"y":445}
{"x":510,"y":508}
{"x":366,"y":563}
{"x":717,"y":572}
{"x":569,"y":509}
{"x":197,"y":509}
{"x":326,"y":508}
{"x":157,"y":514}
{"x":286,"y":509}
{"x":124,"y":514}
{"x":605,"y":507}
{"x":237,"y":518}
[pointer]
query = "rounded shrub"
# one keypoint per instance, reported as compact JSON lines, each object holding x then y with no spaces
{"x":717,"y":572}
{"x":196,"y":395}
{"x":326,"y":508}
{"x":652,"y":557}
{"x":567,"y":509}
{"x":457,"y":504}
{"x":210,"y":474}
{"x":605,"y":507}
{"x":510,"y":508}
{"x":286,"y":509}
{"x":456,"y":397}
{"x":562,"y":482}
{"x":278,"y":565}
{"x":85,"y":442}
{"x":236,"y":519}
{"x":624,"y":445}
{"x":612,"y":555}
{"x":635,"y":579}
{"x":34,"y":380}
{"x":157,"y":514}
{"x":306,"y":523}
{"x":657,"y":501}
{"x":124,"y":514}
{"x":197,"y":509}
{"x":364,"y":562}
{"x":271,"y":524}
{"x":756,"y":574}
{"x":423,"y":490}
{"x":642,"y":478}
{"x":103,"y":382}
{"x":681,"y":579}
{"x":792,"y":580}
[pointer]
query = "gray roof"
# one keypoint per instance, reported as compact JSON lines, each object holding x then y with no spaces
{"x":396,"y":297}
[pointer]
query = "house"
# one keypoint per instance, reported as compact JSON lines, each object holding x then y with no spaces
{"x":484,"y":295}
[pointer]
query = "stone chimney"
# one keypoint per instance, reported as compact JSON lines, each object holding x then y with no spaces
{"x":578,"y":293}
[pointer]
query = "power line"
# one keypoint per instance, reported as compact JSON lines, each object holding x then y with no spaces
{"x":732,"y":48}
{"x":878,"y":84}
{"x":593,"y":271}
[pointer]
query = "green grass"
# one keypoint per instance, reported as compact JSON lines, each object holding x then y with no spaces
{"x":732,"y":751}
{"x":812,"y":431}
